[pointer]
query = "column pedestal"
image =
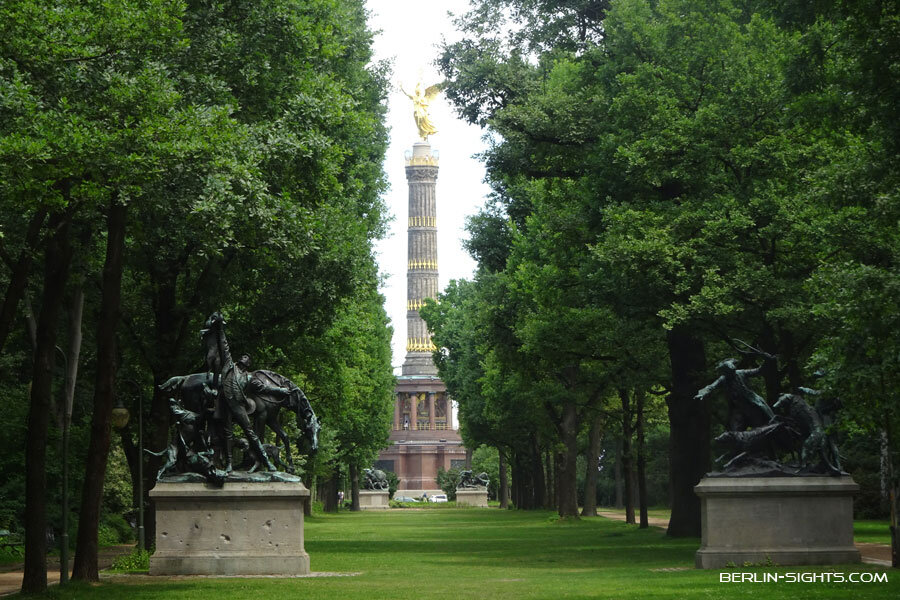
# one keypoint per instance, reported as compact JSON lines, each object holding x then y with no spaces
{"x":472,"y":497}
{"x":241,"y":529}
{"x":788,"y":520}
{"x":373,"y":499}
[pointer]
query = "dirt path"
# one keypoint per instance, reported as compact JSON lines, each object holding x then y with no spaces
{"x":11,"y":574}
{"x":876,"y":554}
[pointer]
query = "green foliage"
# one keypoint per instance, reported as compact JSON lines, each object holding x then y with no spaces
{"x":447,"y":480}
{"x":137,"y":561}
{"x":486,"y":459}
{"x":716,"y":170}
{"x":117,"y":483}
{"x":246,"y":141}
{"x":114,"y":529}
{"x":393,"y":483}
{"x":350,"y":381}
{"x":12,"y":479}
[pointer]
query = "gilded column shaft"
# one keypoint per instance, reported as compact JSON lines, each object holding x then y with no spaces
{"x":422,"y":259}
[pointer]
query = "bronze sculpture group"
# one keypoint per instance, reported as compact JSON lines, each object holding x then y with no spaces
{"x":468,"y":480}
{"x":759,"y":435}
{"x":375,"y":479}
{"x":204,"y":407}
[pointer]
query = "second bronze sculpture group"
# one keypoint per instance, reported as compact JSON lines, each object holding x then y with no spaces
{"x":205,"y":407}
{"x":757,"y":435}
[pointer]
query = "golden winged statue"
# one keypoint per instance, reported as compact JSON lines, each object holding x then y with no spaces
{"x":421,"y":99}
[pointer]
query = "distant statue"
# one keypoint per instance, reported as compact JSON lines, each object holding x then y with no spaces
{"x":375,"y":479}
{"x":468,"y":480}
{"x":421,"y":100}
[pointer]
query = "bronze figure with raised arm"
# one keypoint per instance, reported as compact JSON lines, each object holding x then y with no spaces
{"x":746,"y":408}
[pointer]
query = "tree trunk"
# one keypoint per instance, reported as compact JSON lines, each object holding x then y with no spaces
{"x":56,"y":272}
{"x":74,"y":353}
{"x":894,"y":497}
{"x":538,"y":491}
{"x":884,"y":471}
{"x":627,"y":466}
{"x":620,"y":491}
{"x":523,"y":481}
{"x":503,"y":489}
{"x":551,"y":464}
{"x":516,"y":476}
{"x":167,"y":342}
{"x":331,"y":493}
{"x":30,"y":321}
{"x":85,"y":567}
{"x":548,"y":500}
{"x":567,"y":474}
{"x":311,"y":486}
{"x":18,"y":279}
{"x":688,"y":430}
{"x":641,"y":459}
{"x":592,"y":466}
{"x":354,"y":487}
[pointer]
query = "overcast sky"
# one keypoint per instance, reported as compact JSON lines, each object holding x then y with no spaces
{"x":410,"y":34}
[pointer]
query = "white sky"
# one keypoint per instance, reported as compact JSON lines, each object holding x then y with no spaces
{"x":410,"y":34}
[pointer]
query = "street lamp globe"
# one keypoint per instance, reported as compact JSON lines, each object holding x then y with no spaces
{"x":120,"y":415}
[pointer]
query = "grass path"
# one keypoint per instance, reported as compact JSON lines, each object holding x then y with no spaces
{"x":484,"y":554}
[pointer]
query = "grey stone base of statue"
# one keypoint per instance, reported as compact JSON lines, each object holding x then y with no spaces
{"x":245,"y":528}
{"x":472,"y":497}
{"x":785,"y":520}
{"x":373,"y":499}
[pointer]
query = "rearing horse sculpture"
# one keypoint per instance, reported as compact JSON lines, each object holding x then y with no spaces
{"x":268,"y":406}
{"x":192,"y":390}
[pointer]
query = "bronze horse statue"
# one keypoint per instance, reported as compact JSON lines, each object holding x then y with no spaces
{"x":264,"y":409}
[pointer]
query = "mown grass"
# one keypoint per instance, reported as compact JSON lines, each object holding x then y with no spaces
{"x":484,"y":554}
{"x":875,"y":531}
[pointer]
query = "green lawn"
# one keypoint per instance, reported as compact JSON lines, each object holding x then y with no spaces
{"x":878,"y":532}
{"x":484,"y":554}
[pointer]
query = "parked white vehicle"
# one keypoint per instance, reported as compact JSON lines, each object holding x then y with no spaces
{"x":438,"y":498}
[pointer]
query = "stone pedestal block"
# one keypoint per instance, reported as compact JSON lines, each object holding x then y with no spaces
{"x":790,"y":520}
{"x":472,"y":497}
{"x":240,"y":529}
{"x":373,"y":499}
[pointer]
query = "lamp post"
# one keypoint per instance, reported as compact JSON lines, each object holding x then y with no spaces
{"x":64,"y":535}
{"x":140,"y":462}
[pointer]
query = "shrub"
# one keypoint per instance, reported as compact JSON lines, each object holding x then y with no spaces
{"x":448,"y":481}
{"x":107,"y":536}
{"x":393,"y":483}
{"x":138,"y":560}
{"x":115,"y":529}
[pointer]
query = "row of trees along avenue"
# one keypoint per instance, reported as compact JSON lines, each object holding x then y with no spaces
{"x":160,"y":160}
{"x":668,"y":177}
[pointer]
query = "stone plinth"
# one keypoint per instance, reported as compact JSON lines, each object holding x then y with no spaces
{"x":240,"y":529}
{"x":373,"y":499}
{"x":472,"y":497}
{"x":790,"y":520}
